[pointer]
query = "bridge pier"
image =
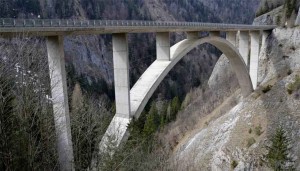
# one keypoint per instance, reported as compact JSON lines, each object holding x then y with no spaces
{"x":254,"y":55}
{"x":163,"y":46}
{"x":55,"y":49}
{"x":231,"y":37}
{"x":244,"y":46}
{"x":121,"y":75}
{"x":117,"y":132}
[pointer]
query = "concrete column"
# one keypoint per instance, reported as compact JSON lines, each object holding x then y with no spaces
{"x":244,"y":46}
{"x":163,"y":46}
{"x":231,"y":37}
{"x":56,"y":61}
{"x":254,"y":57}
{"x":192,"y":35}
{"x":214,"y":33}
{"x":121,"y":75}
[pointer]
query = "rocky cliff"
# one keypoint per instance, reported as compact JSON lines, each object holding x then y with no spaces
{"x":236,"y":138}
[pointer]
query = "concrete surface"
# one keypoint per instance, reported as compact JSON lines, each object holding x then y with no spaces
{"x":231,"y":37}
{"x":45,"y":27}
{"x":56,"y":61}
{"x":244,"y":46}
{"x":254,"y":54}
{"x":121,"y":75}
{"x":163,"y":46}
{"x":143,"y":89}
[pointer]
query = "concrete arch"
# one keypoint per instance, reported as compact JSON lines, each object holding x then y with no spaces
{"x":143,"y":89}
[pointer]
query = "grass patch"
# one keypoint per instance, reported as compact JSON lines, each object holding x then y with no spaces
{"x":294,"y":86}
{"x":250,"y":142}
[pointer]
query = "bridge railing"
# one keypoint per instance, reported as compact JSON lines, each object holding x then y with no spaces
{"x":9,"y":22}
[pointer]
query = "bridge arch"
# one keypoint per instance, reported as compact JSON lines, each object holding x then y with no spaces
{"x":144,"y":88}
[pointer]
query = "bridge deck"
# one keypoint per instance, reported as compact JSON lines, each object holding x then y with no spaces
{"x":47,"y":27}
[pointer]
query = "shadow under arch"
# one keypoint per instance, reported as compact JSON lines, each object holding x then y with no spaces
{"x":143,"y":89}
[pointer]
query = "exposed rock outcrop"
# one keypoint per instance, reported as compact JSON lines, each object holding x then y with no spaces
{"x":273,"y":17}
{"x":232,"y":138}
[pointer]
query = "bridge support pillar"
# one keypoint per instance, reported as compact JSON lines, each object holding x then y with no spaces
{"x":55,"y":49}
{"x":116,"y":132}
{"x":192,"y":35}
{"x":121,"y":75}
{"x":254,"y":57}
{"x":244,"y":46}
{"x":231,"y":37}
{"x":163,"y":46}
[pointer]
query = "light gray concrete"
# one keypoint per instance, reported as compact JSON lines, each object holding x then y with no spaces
{"x":117,"y":132}
{"x":44,"y":27}
{"x":254,"y":55}
{"x":163,"y":46}
{"x":244,"y":46}
{"x":121,"y":75}
{"x":115,"y":135}
{"x":55,"y":49}
{"x":143,"y":89}
{"x":231,"y":37}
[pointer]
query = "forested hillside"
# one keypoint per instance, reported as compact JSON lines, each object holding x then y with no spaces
{"x":90,"y":79}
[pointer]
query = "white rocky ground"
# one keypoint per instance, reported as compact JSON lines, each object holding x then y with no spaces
{"x":226,"y":138}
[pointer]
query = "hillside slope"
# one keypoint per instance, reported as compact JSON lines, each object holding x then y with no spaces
{"x":226,"y":138}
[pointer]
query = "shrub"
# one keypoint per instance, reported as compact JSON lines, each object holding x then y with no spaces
{"x":267,"y":89}
{"x":258,"y":130}
{"x":250,"y":142}
{"x":294,"y":86}
{"x":250,"y":131}
{"x":234,"y":164}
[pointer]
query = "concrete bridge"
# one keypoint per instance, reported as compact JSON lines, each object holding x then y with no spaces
{"x":241,"y":46}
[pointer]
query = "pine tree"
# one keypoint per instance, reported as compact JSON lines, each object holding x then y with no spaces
{"x":152,"y":122}
{"x":277,"y":157}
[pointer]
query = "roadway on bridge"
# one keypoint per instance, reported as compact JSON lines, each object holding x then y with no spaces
{"x":48,"y":27}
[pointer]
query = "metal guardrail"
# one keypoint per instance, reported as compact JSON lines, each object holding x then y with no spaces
{"x":9,"y":22}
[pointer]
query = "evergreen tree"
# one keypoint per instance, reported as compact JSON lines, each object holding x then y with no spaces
{"x":277,"y":157}
{"x":152,"y":122}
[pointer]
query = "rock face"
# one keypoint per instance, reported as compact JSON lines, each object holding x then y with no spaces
{"x":276,"y":62}
{"x":271,"y":18}
{"x":222,"y":77}
{"x":232,"y":138}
